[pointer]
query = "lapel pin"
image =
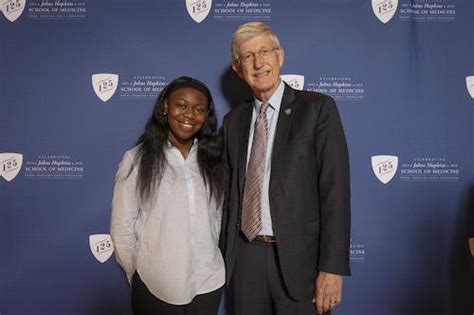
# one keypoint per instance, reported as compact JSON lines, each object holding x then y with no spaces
{"x":288,"y":111}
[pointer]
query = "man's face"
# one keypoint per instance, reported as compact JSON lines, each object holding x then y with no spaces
{"x":259,"y":65}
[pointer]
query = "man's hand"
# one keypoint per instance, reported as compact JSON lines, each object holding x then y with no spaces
{"x":327,"y":291}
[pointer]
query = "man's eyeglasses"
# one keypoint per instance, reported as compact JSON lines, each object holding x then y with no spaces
{"x":249,"y":57}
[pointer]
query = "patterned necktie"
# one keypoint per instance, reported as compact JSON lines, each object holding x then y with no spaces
{"x":252,"y":200}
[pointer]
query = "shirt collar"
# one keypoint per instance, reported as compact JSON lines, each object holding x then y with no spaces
{"x":169,"y":145}
{"x":275,"y":99}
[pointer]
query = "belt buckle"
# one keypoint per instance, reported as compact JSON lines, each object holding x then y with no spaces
{"x":266,"y":238}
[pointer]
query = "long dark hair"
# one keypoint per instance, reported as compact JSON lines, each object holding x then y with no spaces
{"x":151,"y":158}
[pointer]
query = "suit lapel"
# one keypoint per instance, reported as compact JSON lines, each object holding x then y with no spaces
{"x":244,"y":130}
{"x":281,"y":133}
{"x":285,"y":119}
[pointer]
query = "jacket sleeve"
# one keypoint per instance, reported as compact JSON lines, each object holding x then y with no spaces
{"x":227,"y":174}
{"x":334,"y":190}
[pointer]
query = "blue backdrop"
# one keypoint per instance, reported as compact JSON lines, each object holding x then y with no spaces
{"x":80,"y":77}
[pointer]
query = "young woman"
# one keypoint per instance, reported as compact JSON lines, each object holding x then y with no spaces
{"x":166,"y":208}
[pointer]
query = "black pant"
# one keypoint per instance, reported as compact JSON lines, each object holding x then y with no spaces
{"x":257,"y":286}
{"x":145,"y":303}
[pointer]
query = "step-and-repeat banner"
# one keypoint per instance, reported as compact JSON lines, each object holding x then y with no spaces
{"x":79,"y":78}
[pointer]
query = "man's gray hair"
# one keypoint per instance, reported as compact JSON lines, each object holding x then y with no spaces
{"x":248,"y":31}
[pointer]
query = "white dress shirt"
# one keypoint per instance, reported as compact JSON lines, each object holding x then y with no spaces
{"x":171,"y":240}
{"x":273,"y":111}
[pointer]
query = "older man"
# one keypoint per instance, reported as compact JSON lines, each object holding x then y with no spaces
{"x":287,"y":212}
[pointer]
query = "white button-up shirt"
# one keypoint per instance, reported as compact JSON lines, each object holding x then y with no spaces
{"x":171,"y":240}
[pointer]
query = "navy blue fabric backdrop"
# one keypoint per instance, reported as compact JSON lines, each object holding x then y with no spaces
{"x":78,"y":79}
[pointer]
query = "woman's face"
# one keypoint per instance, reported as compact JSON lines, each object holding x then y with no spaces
{"x":187,"y":110}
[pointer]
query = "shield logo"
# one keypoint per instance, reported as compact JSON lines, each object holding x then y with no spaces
{"x":198,"y":9}
{"x":12,"y":9}
{"x":296,"y":81}
{"x":101,"y":246}
{"x":105,"y":85}
{"x":384,"y":167}
{"x":10,"y":165}
{"x":384,"y":10}
{"x":470,"y":85}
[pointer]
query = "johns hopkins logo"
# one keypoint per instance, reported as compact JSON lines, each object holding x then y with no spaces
{"x":296,"y":81}
{"x":384,"y":167}
{"x":105,"y":85}
{"x":12,"y":9}
{"x":470,"y":85}
{"x":10,"y":165}
{"x":101,"y":246}
{"x":384,"y":10}
{"x":198,"y":9}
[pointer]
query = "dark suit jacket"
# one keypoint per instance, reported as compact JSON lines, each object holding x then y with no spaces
{"x":309,"y":188}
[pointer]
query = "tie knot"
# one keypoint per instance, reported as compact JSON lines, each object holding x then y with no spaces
{"x":263,"y":107}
